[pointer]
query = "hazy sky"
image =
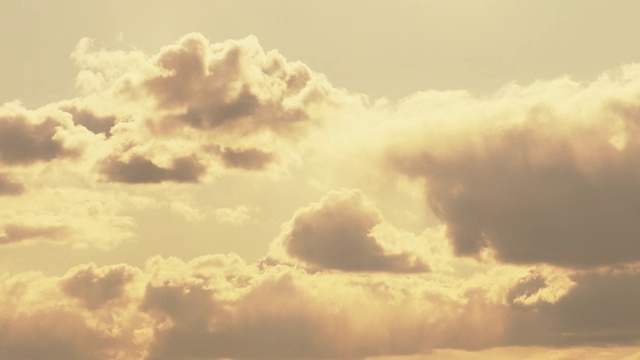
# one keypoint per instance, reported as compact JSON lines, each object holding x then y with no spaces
{"x":319,"y":180}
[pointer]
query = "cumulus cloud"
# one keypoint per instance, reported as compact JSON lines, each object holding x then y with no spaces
{"x":336,"y":233}
{"x":23,"y":142}
{"x":540,"y":174}
{"x":544,"y":175}
{"x":38,"y":321}
{"x":218,"y":306}
{"x":96,"y":287}
{"x":94,"y":123}
{"x":238,"y":312}
{"x":233,"y":104}
{"x":228,"y":86}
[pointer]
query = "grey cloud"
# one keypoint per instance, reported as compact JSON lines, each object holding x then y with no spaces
{"x":248,"y":159}
{"x":336,"y":235}
{"x":535,"y":196}
{"x":216,"y":86}
{"x":139,"y":170}
{"x":9,"y":186}
{"x":602,"y":309}
{"x":94,"y":123}
{"x":97,"y":287}
{"x":14,"y":233}
{"x":24,"y":143}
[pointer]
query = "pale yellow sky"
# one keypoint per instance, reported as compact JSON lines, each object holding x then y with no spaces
{"x":319,"y":180}
{"x":379,"y":48}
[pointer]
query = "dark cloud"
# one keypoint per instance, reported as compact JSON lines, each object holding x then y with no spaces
{"x":9,"y":186}
{"x":94,"y":123}
{"x":536,"y":195}
{"x":336,"y":234}
{"x":248,"y":159}
{"x":233,"y":86}
{"x":24,"y":143}
{"x":139,"y":170}
{"x":602,"y":309}
{"x":14,"y":233}
{"x":97,"y":287}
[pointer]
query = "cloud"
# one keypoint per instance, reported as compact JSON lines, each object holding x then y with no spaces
{"x":10,"y":187}
{"x":23,"y":142}
{"x":280,"y":312}
{"x":68,"y":216}
{"x":94,"y":123}
{"x":540,"y":174}
{"x":38,"y":321}
{"x":336,"y":233}
{"x":598,"y":310}
{"x":56,"y":335}
{"x":14,"y":233}
{"x":248,"y":159}
{"x":230,"y":86}
{"x":96,"y":287}
{"x":234,"y":104}
{"x":139,"y":170}
{"x":218,"y":306}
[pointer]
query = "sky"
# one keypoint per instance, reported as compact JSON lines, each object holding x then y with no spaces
{"x":406,"y":180}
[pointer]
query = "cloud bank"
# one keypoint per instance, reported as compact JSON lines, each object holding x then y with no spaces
{"x":526,"y":236}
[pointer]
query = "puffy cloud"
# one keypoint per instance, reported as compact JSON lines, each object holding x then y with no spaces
{"x":228,"y":86}
{"x":336,"y":233}
{"x":8,"y":186}
{"x":233,"y":104}
{"x":540,"y":174}
{"x":280,"y":312}
{"x":217,"y":306}
{"x":94,"y":123}
{"x":96,"y":287}
{"x":23,"y":142}
{"x":38,"y":321}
